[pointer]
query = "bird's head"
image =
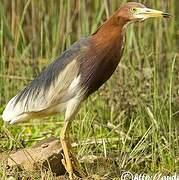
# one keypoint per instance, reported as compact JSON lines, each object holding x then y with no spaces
{"x":133,"y":11}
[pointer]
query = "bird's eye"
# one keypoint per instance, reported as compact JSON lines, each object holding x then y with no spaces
{"x":133,"y":10}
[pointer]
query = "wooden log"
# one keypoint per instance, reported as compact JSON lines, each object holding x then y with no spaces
{"x":45,"y":155}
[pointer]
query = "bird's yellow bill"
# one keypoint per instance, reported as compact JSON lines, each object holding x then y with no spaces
{"x":144,"y":13}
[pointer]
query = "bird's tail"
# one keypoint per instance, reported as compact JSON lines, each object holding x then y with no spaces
{"x":14,"y":113}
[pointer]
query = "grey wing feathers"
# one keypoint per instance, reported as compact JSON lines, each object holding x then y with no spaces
{"x":50,"y":86}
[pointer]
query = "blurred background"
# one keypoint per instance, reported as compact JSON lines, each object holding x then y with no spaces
{"x":136,"y":112}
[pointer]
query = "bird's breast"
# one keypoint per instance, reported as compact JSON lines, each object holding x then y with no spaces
{"x":99,"y":65}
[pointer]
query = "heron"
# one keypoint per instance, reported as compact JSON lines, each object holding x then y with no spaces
{"x":78,"y":72}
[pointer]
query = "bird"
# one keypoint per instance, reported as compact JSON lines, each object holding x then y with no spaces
{"x":78,"y":72}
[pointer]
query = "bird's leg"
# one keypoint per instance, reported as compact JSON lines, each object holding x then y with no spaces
{"x":70,"y":162}
{"x":65,"y":146}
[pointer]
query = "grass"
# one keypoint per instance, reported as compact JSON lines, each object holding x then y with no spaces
{"x":133,"y":119}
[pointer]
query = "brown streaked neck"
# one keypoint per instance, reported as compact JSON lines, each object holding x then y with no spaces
{"x":111,"y":30}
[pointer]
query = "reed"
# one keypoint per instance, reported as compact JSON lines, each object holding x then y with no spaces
{"x":139,"y":105}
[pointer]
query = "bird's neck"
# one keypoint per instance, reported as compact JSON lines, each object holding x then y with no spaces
{"x":109,"y":32}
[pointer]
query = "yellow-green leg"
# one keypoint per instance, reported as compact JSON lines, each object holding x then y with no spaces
{"x":70,"y":162}
{"x":66,"y":150}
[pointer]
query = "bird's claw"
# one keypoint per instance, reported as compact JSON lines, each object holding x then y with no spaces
{"x":64,"y":164}
{"x":75,"y":167}
{"x":72,"y":175}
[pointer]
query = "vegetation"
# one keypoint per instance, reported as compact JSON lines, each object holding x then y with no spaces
{"x":132,"y":120}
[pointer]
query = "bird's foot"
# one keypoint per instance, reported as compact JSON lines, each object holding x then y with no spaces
{"x":72,"y":175}
{"x":76,"y":171}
